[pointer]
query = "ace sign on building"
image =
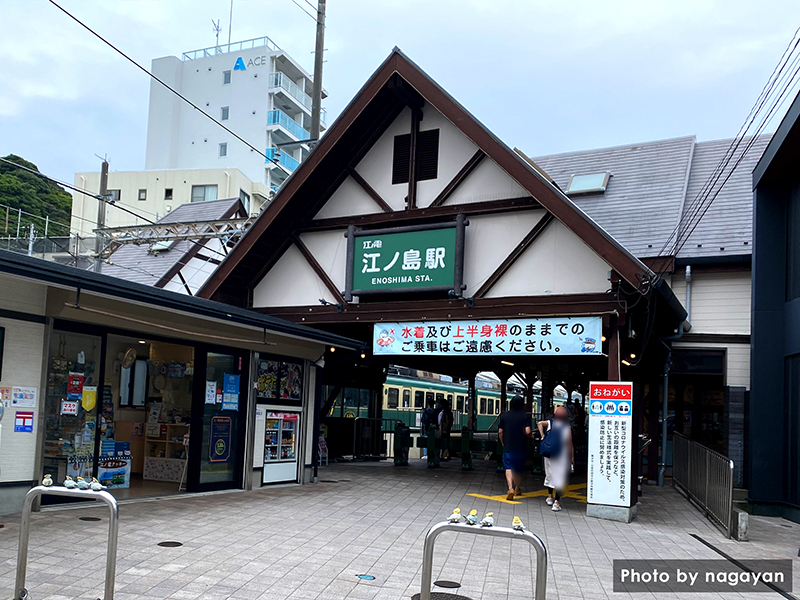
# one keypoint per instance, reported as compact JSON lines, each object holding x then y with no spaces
{"x":610,"y":432}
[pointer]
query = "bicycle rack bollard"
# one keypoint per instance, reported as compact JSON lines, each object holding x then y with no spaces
{"x":506,"y":532}
{"x":25,"y":529}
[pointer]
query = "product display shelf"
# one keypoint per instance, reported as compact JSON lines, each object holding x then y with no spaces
{"x":165,"y":454}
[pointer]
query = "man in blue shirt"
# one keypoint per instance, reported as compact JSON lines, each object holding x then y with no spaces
{"x":514,"y":430}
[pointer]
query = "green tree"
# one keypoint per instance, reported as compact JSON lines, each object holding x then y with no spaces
{"x":36,"y":196}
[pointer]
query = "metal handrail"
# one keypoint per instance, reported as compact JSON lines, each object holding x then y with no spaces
{"x":707,"y":478}
{"x":506,"y":532}
{"x":25,"y":529}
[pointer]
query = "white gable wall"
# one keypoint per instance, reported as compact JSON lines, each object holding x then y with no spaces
{"x":558,"y":262}
{"x":291,"y":282}
{"x":348,"y":200}
{"x":376,"y":166}
{"x":487,"y":182}
{"x":330,"y":250}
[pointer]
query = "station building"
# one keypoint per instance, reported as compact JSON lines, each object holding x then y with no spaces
{"x":412,"y":228}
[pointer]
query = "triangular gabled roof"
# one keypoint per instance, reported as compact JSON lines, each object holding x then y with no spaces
{"x":350,"y":137}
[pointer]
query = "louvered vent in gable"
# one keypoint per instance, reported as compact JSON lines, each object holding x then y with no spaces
{"x":427,"y":156}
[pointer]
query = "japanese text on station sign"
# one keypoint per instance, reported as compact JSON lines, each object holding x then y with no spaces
{"x":404,"y":260}
{"x":551,"y":335}
{"x":610,"y":428}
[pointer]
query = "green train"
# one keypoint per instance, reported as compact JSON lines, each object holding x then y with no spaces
{"x":404,"y":398}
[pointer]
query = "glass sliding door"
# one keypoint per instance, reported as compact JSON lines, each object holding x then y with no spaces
{"x":224,"y":402}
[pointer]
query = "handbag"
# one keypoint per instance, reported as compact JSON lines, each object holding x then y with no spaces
{"x":550,"y":446}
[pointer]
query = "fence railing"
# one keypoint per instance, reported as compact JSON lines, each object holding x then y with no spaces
{"x":706,"y":477}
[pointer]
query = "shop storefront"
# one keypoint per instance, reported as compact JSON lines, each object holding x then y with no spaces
{"x":150,"y":392}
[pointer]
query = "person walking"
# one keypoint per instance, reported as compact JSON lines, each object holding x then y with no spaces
{"x":445,"y":426}
{"x":427,"y":420}
{"x":557,"y":468}
{"x":514,"y":430}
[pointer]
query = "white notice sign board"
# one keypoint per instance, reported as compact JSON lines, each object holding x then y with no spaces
{"x":610,"y":429}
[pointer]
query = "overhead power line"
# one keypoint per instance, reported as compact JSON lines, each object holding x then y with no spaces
{"x":174,"y":91}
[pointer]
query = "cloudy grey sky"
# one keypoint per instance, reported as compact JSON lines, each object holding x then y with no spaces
{"x":545,"y":75}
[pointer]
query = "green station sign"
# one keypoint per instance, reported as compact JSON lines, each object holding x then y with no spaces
{"x":405,"y":259}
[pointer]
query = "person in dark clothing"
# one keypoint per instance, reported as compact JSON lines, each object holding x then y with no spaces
{"x":514,"y":430}
{"x":427,"y":420}
{"x":445,"y":426}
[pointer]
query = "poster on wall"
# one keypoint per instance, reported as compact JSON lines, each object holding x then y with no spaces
{"x":89,"y":398}
{"x":291,"y":381}
{"x":23,"y":397}
{"x":23,"y":421}
{"x":267,"y":379}
{"x":211,"y":392}
{"x":610,"y":429}
{"x":69,"y":407}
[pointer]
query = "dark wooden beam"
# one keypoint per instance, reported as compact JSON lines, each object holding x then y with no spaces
{"x":369,"y":189}
{"x":416,"y":117}
{"x":422,"y":214}
{"x":515,"y":254}
{"x":318,"y":269}
{"x":460,"y":177}
{"x":483,"y":308}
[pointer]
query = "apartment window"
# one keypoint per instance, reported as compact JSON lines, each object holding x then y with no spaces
{"x":114,"y":194}
{"x":168,"y":194}
{"x":226,"y":77}
{"x":427,"y":156}
{"x":142,"y":194}
{"x":245,"y":198}
{"x":224,"y":111}
{"x":204,"y":193}
{"x":223,"y":150}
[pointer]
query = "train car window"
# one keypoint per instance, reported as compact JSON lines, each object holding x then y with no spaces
{"x":419,"y":399}
{"x":428,"y":397}
{"x":490,"y":406}
{"x":450,"y":399}
{"x":439,"y":399}
{"x":483,"y":406}
{"x":406,"y":398}
{"x":497,"y":407}
{"x":391,"y":401}
{"x":460,"y":403}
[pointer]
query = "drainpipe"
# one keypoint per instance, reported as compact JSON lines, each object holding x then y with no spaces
{"x":665,"y":400}
{"x":688,"y":277}
{"x":227,"y":184}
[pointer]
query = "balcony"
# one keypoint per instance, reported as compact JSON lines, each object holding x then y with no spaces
{"x":234,"y":47}
{"x":278,"y":117}
{"x":282,"y":158}
{"x":282,"y":81}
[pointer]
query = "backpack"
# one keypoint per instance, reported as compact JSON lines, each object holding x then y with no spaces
{"x":550,"y":446}
{"x":426,"y":419}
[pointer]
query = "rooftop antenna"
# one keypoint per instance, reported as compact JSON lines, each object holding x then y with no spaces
{"x":230,"y":23}
{"x":215,"y":25}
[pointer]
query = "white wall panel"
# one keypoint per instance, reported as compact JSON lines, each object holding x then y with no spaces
{"x":330,"y":250}
{"x":489,"y":239}
{"x":23,"y":296}
{"x":22,"y":366}
{"x":455,"y":149}
{"x":290,"y":282}
{"x":558,"y":262}
{"x":487,"y":182}
{"x":349,"y":199}
{"x":376,"y":166}
{"x":720,"y":301}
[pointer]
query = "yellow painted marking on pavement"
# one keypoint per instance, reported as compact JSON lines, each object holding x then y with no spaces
{"x":576,"y":491}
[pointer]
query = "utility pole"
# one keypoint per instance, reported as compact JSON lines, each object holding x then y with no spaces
{"x":316,"y":94}
{"x":101,"y":216}
{"x":230,"y":24}
{"x":30,"y":240}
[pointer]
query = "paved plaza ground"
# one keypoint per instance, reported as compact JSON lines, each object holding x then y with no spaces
{"x":310,"y":542}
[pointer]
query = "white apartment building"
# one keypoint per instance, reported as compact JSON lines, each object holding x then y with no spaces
{"x":253,"y":88}
{"x":154,"y":194}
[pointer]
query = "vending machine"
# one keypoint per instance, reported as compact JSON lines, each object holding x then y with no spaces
{"x":280,"y":447}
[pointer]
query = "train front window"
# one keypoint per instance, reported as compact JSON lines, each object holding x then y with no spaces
{"x":406,"y":398}
{"x":483,"y":406}
{"x":419,"y":399}
{"x":497,"y":407}
{"x":392,"y":397}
